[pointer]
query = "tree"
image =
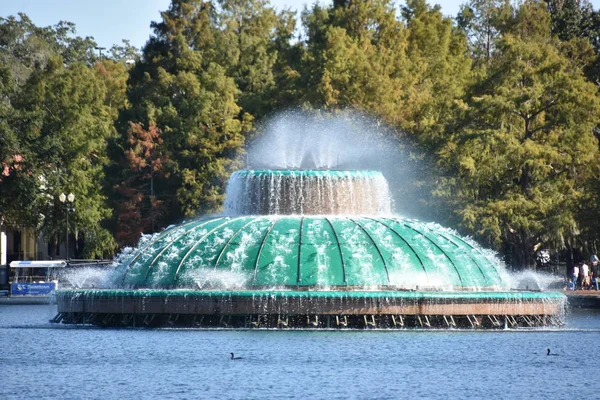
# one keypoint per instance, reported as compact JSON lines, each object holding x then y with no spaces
{"x":56,"y":137}
{"x":571,"y":18}
{"x":57,"y":111}
{"x":138,"y":208}
{"x":247,"y":51}
{"x":359,"y":55}
{"x":25,"y":46}
{"x":524,"y":149}
{"x":125,"y":52}
{"x":483,"y":21}
{"x":180,"y":88}
{"x":115,"y":75}
{"x":577,"y":24}
{"x":17,"y":169}
{"x":67,"y":136}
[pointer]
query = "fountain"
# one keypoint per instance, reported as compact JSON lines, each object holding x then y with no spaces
{"x":310,"y":249}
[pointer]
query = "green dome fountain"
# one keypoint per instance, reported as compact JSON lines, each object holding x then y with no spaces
{"x":310,"y":248}
{"x":311,"y":251}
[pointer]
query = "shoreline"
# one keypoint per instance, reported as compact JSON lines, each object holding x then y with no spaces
{"x":583,"y":298}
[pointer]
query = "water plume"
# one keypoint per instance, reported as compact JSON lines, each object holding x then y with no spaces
{"x":319,"y":140}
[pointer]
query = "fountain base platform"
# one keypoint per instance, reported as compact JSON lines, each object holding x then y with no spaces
{"x":309,"y":309}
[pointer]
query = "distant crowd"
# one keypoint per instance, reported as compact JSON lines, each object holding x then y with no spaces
{"x":584,"y":276}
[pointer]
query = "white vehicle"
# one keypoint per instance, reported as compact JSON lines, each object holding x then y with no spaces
{"x":34,"y":278}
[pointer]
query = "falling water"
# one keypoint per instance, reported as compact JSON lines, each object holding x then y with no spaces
{"x":276,"y":192}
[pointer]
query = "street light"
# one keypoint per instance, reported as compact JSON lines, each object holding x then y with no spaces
{"x":68,"y":202}
{"x":100,"y":50}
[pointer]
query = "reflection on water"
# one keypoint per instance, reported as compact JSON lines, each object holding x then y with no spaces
{"x":49,"y":361}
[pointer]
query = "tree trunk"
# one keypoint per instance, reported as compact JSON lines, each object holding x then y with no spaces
{"x":523,"y":256}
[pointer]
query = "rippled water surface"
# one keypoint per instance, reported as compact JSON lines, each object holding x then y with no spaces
{"x":43,"y":360}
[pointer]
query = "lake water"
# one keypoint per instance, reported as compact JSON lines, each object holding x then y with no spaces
{"x":43,"y":360}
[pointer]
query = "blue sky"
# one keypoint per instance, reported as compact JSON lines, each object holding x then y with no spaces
{"x":109,"y":21}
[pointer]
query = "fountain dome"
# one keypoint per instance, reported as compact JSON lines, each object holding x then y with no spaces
{"x":311,"y":251}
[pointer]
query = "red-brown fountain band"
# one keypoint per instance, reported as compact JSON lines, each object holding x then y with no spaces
{"x":301,"y":309}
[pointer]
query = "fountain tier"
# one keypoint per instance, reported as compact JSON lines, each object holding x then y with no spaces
{"x":307,"y":192}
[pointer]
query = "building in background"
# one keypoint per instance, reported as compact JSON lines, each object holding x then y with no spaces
{"x":26,"y":245}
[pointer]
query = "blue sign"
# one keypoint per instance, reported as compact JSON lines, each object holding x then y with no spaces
{"x":32,"y":289}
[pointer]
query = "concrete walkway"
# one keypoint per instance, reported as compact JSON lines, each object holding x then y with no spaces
{"x":583,"y":298}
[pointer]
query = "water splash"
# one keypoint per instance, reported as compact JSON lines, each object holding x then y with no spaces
{"x":205,"y":278}
{"x":533,"y":280}
{"x":89,"y":277}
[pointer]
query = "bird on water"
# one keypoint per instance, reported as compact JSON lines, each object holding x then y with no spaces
{"x":548,"y":353}
{"x":235,"y":358}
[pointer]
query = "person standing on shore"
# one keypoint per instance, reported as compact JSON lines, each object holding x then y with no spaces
{"x":575,"y":275}
{"x":594,"y":272}
{"x":584,"y":270}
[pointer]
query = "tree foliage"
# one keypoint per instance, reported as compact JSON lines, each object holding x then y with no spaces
{"x":523,"y":149}
{"x":138,"y":208}
{"x":503,"y":100}
{"x":59,"y":107}
{"x":484,"y":21}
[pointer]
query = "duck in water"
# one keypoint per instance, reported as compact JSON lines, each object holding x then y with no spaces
{"x":548,"y":353}
{"x":235,"y":358}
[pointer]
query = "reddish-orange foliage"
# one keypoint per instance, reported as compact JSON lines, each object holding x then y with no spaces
{"x":139,"y":209}
{"x":13,"y":164}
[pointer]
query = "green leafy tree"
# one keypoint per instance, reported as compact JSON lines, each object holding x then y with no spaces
{"x":571,"y":18}
{"x":524,"y":148}
{"x":247,"y":51}
{"x":484,"y":21}
{"x":67,"y":134}
{"x":25,"y":46}
{"x":360,"y":55}
{"x":18,"y":170}
{"x":58,"y":110}
{"x":287,"y":89}
{"x":124,"y":52}
{"x":441,"y":69}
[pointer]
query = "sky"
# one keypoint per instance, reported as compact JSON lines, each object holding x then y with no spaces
{"x":110,"y":21}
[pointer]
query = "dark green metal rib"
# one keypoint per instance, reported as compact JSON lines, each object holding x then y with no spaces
{"x":299,"y":277}
{"x":405,"y":242}
{"x":439,"y":248}
{"x":230,"y":240}
{"x":176,"y":278}
{"x":262,"y":244}
{"x":337,"y":241}
{"x":387,"y":273}
{"x":141,"y":251}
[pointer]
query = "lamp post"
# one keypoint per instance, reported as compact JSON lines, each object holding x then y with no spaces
{"x":67,"y":200}
{"x":100,"y":50}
